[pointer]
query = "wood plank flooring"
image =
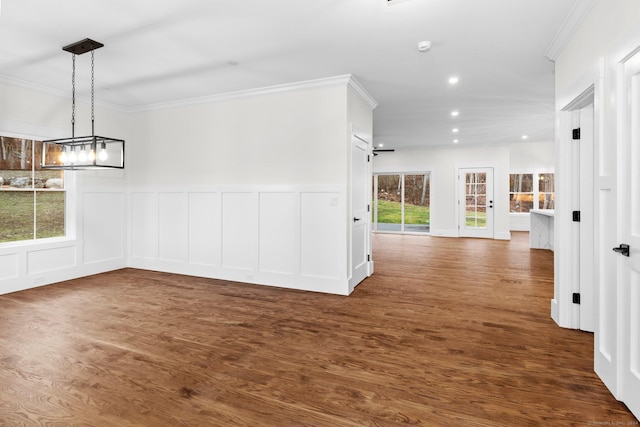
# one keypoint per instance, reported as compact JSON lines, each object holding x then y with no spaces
{"x":446,"y":332}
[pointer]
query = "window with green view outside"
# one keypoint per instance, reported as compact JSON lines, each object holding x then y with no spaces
{"x":402,"y":202}
{"x":32,"y":200}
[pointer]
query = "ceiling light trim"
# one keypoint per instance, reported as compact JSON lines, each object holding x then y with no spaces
{"x":567,"y":29}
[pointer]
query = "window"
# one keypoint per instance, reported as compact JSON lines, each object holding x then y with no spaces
{"x":402,"y":202}
{"x":32,"y":201}
{"x":520,"y":192}
{"x":546,"y":191}
{"x":476,"y":199}
{"x":531,"y":191}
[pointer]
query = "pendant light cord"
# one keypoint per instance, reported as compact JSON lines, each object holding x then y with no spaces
{"x":92,"y":98}
{"x":73,"y":95}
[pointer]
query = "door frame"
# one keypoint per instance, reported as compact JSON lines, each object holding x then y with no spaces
{"x":364,"y":216}
{"x":374,"y":198}
{"x":461,"y":203}
{"x":572,"y":257}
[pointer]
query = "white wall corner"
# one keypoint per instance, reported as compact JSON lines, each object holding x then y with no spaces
{"x":362,"y":92}
{"x":555,"y":314}
{"x":503,"y":235}
{"x":572,"y":21}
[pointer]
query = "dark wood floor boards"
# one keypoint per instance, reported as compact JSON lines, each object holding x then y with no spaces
{"x":446,"y":332}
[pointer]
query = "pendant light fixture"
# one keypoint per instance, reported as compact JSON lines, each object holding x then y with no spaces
{"x":83,"y":152}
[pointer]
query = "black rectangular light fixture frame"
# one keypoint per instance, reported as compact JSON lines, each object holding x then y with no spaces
{"x":92,"y":142}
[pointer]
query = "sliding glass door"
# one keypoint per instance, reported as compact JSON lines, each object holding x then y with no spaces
{"x":401,"y":202}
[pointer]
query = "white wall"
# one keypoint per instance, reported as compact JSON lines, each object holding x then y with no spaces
{"x":96,"y":204}
{"x":443,"y":163}
{"x":252,"y":189}
{"x":609,"y":33}
{"x":272,"y":139}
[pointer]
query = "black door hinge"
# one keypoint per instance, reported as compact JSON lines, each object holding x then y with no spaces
{"x":576,"y":297}
{"x":576,"y":133}
{"x":576,"y":216}
{"x":368,"y":158}
{"x":368,"y":208}
{"x":368,"y":257}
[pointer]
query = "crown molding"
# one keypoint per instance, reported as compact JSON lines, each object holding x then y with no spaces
{"x":346,"y":80}
{"x":343,"y":80}
{"x":12,"y":81}
{"x":362,"y":92}
{"x":567,"y":29}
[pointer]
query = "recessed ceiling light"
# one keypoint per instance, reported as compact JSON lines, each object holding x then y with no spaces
{"x":380,"y":145}
{"x":455,"y":114}
{"x":455,"y":130}
{"x":424,"y":46}
{"x":455,"y":141}
{"x":453,"y":80}
{"x":525,"y":137}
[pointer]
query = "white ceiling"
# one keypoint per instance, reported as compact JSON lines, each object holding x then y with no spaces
{"x":159,"y":51}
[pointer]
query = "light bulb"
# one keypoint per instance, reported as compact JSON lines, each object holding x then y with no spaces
{"x":92,"y":155}
{"x":63,"y":155}
{"x":82,"y":157}
{"x":73,"y":156}
{"x":102,"y":155}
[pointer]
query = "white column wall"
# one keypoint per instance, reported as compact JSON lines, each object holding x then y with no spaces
{"x":252,"y":189}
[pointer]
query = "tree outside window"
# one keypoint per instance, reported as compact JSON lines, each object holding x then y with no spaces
{"x":520,"y":192}
{"x":531,"y":191}
{"x":32,"y":201}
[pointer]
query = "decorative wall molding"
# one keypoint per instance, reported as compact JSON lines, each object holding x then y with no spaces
{"x":568,"y":27}
{"x":292,"y":238}
{"x":343,"y":80}
{"x":65,"y":94}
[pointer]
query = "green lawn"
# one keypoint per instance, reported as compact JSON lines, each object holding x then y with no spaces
{"x":390,"y":213}
{"x":16,"y":215}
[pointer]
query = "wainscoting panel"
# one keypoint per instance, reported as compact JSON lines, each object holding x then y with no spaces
{"x":322,"y":220}
{"x":8,"y":266}
{"x":144,"y":225}
{"x":279,"y":223}
{"x":45,"y":260}
{"x":282,"y":236}
{"x":173,"y":227}
{"x":240,"y":230}
{"x":205,"y":229}
{"x":102,"y":226}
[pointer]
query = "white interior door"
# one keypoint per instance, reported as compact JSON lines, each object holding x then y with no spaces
{"x":605,"y":274}
{"x":475,"y":202}
{"x":629,"y":234}
{"x":583,"y":230}
{"x":360,"y":215}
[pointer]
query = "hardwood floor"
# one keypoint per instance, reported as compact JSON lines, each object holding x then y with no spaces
{"x":446,"y":332}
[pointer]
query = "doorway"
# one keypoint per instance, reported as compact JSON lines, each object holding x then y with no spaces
{"x":475,"y":202}
{"x":360,"y":254}
{"x":402,"y":202}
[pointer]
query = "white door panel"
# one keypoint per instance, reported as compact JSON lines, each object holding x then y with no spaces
{"x":361,"y":218}
{"x":476,"y":202}
{"x":628,"y":206}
